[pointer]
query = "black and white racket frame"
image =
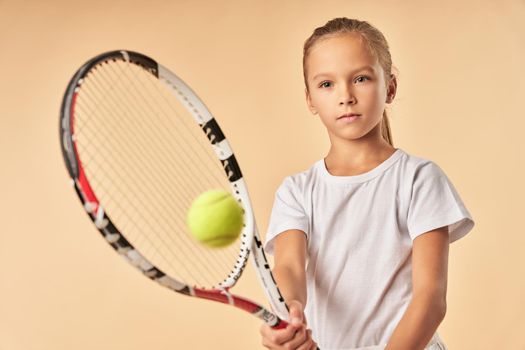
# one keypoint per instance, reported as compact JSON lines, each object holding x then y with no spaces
{"x":250,"y":240}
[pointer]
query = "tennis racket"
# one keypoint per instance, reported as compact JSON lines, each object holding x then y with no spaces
{"x":139,"y":146}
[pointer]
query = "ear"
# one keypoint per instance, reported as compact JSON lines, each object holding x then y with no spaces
{"x":391,"y":89}
{"x":309,"y":102}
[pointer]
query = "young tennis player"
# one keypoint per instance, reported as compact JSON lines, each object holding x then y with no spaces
{"x":361,"y":238}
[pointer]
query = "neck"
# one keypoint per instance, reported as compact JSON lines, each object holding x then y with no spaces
{"x":363,"y":153}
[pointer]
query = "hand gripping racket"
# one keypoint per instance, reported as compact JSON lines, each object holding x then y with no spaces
{"x":139,"y":146}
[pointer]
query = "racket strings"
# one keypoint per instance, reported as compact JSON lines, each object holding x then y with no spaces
{"x":152,"y":97}
{"x":147,"y":160}
{"x":136,"y":185}
{"x":139,"y":148}
{"x":144,"y":128}
{"x":131,"y":99}
{"x":109,"y":200}
{"x":205,"y":148}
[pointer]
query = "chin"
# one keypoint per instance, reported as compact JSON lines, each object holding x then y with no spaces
{"x":354,"y":134}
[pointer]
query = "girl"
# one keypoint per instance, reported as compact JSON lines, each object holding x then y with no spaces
{"x":361,"y":238}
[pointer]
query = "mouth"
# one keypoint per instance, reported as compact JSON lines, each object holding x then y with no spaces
{"x":349,"y":116}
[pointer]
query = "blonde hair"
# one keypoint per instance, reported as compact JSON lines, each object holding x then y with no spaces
{"x":375,"y":42}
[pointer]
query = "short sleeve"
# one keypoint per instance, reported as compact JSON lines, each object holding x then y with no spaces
{"x":436,"y":203}
{"x":287,"y":213}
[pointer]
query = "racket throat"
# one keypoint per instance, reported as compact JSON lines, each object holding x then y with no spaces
{"x":225,"y":297}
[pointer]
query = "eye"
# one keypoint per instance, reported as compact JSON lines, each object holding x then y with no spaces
{"x":325,"y":84}
{"x":362,"y":77}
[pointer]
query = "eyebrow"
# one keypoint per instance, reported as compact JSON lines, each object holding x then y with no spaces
{"x":369,"y":68}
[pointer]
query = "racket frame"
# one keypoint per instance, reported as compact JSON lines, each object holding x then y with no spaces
{"x":250,"y":240}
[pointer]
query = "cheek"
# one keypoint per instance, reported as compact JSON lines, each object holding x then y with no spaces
{"x":373,"y":94}
{"x":370,"y":89}
{"x":319,"y":99}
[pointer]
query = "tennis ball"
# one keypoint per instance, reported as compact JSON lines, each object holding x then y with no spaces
{"x":215,"y":218}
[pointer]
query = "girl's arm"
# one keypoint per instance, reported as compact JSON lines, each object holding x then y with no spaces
{"x":289,"y":273}
{"x":290,"y":264}
{"x":428,"y":306}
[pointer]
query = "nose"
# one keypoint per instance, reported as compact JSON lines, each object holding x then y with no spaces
{"x":346,"y":97}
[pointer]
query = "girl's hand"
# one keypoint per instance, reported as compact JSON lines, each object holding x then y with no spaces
{"x":294,"y":337}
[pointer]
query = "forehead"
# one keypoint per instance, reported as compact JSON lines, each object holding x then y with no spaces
{"x":341,"y":51}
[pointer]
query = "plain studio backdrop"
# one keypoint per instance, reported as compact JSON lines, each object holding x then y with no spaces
{"x":459,"y":103}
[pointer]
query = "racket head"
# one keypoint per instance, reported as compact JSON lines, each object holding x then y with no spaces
{"x":75,"y":145}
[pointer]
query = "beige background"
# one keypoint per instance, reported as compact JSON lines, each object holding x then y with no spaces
{"x":461,"y":84}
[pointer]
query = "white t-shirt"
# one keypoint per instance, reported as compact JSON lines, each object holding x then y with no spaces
{"x":359,"y":231}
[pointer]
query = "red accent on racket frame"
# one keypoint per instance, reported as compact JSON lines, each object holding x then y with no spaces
{"x":83,"y":183}
{"x":239,"y":302}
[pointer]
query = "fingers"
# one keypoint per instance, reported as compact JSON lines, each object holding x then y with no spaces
{"x":299,"y":341}
{"x":309,"y":345}
{"x":273,"y":338}
{"x":294,"y":336}
{"x":288,"y":338}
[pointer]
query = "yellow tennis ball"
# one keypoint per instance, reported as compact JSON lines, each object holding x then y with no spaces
{"x":215,"y":218}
